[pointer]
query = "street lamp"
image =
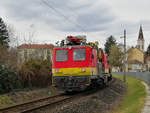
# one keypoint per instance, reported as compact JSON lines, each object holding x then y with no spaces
{"x":124,"y":57}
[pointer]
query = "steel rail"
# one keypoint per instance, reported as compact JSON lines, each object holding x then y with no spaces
{"x":23,"y":105}
{"x":29,"y":106}
{"x":65,"y":99}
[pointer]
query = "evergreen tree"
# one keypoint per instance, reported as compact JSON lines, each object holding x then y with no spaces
{"x":4,"y":35}
{"x":109,"y":42}
{"x":148,"y":50}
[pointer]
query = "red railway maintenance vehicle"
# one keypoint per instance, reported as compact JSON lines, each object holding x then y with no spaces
{"x":77,"y":64}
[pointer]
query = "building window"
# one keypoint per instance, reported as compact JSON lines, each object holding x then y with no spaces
{"x":37,"y":54}
{"x":25,"y":54}
{"x":142,"y":47}
{"x":48,"y":55}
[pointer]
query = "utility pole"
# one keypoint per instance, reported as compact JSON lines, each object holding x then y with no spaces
{"x":124,"y":57}
{"x":124,"y":76}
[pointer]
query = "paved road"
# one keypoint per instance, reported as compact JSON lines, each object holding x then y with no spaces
{"x":146,"y":108}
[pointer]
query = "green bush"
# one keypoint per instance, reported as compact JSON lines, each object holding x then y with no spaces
{"x":8,"y":79}
{"x":35,"y":73}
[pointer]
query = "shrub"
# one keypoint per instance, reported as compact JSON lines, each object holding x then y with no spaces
{"x":8,"y":79}
{"x":8,"y":57}
{"x":35,"y":73}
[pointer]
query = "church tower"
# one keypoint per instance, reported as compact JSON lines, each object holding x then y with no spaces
{"x":140,"y":41}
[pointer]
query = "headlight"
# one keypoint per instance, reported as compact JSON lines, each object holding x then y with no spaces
{"x":56,"y":70}
{"x":83,"y":69}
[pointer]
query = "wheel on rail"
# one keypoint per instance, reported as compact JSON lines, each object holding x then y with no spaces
{"x":110,"y":77}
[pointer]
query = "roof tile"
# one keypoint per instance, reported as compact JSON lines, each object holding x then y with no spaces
{"x":36,"y":46}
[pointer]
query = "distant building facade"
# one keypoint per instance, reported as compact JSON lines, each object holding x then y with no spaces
{"x":135,"y":60}
{"x":38,"y":51}
{"x":147,"y":62}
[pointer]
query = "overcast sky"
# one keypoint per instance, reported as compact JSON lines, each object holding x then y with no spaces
{"x":53,"y":20}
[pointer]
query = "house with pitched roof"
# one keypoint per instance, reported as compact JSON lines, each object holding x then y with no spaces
{"x":147,"y":62}
{"x":38,"y":51}
{"x":135,"y":60}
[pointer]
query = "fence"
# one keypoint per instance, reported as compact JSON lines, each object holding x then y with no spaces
{"x":145,"y":76}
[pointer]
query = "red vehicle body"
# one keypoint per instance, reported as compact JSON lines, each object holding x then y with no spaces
{"x":75,"y":67}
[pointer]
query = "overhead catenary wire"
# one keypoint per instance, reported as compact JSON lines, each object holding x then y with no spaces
{"x":50,"y":6}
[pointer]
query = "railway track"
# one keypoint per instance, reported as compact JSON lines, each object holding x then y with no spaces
{"x":42,"y":103}
{"x":22,"y":108}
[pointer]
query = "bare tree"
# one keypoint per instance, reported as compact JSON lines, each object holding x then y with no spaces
{"x":29,"y":36}
{"x":13,"y":37}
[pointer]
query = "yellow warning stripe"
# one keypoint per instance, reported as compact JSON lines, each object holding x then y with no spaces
{"x":74,"y":71}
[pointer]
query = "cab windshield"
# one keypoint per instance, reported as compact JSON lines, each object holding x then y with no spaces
{"x":78,"y":54}
{"x":61,"y":55}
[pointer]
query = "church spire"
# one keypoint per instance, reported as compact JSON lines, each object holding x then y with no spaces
{"x":140,"y":41}
{"x":140,"y":37}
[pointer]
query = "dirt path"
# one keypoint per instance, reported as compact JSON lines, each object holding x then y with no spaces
{"x":146,"y":108}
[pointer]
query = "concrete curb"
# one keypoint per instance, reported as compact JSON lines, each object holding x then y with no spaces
{"x":146,"y":108}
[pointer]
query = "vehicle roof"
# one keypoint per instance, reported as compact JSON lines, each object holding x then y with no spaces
{"x":68,"y":46}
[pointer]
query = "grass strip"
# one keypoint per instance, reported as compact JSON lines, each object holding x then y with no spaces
{"x":134,"y":99}
{"x":5,"y":101}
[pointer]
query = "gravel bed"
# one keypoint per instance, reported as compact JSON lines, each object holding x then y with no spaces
{"x":103,"y":101}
